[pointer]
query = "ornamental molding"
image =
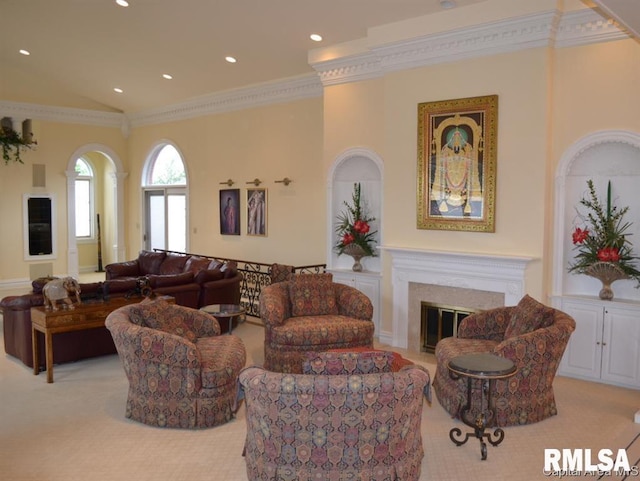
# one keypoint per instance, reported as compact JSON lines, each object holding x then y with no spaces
{"x":60,"y":114}
{"x":539,"y":30}
{"x":287,"y":90}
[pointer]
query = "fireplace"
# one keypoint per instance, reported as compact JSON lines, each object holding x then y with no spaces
{"x":470,"y":281}
{"x":438,"y":321}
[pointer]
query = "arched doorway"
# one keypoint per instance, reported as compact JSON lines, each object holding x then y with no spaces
{"x":110,"y":203}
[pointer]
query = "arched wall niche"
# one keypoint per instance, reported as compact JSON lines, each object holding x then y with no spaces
{"x":603,"y":156}
{"x":351,"y":166}
{"x":116,"y":185}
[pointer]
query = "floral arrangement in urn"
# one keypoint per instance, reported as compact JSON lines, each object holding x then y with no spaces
{"x":603,"y":250}
{"x":355,"y":237}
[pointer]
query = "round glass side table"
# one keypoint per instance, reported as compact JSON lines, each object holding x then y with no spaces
{"x":225,"y":313}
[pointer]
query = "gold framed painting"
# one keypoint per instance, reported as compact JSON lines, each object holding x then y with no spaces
{"x":457,"y":153}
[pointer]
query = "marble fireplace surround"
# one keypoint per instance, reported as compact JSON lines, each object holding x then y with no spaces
{"x":471,"y":280}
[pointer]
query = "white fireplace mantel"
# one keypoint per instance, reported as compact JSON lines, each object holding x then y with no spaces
{"x":483,"y":272}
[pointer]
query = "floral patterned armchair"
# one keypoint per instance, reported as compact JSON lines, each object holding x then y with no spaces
{"x":350,"y":417}
{"x":310,"y":313}
{"x":533,"y":336}
{"x":182,"y":373}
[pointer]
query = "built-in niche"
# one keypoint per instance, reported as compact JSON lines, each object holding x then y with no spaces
{"x":39,"y":226}
{"x":362,"y":166}
{"x":602,"y":157}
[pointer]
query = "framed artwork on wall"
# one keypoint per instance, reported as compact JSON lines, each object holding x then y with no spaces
{"x":457,"y":152}
{"x":257,"y":212}
{"x":230,"y":211}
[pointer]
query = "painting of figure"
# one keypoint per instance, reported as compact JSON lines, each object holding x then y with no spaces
{"x":230,"y":211}
{"x":257,"y":212}
{"x":457,"y":163}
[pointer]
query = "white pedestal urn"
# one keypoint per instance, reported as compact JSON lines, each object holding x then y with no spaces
{"x":607,"y":273}
{"x":357,"y":252}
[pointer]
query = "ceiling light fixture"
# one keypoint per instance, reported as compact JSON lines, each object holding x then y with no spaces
{"x":24,"y":52}
{"x":315,"y":37}
{"x":230,"y":59}
{"x":447,"y":4}
{"x":118,"y":90}
{"x":167,"y":76}
{"x":122,"y":3}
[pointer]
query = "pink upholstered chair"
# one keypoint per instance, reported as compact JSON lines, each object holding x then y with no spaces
{"x":311,"y":313}
{"x":533,"y":336}
{"x":182,"y":373}
{"x":347,"y":417}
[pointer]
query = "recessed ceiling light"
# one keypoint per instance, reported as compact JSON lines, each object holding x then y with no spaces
{"x":24,"y":52}
{"x":230,"y":59}
{"x":167,"y":76}
{"x":122,"y":3}
{"x":118,"y":90}
{"x":315,"y":37}
{"x":447,"y":4}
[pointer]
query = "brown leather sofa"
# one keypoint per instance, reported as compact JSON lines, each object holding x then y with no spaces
{"x":194,"y":281}
{"x":68,"y":346}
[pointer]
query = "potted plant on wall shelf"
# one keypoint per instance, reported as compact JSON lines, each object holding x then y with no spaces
{"x":355,"y":237}
{"x":12,"y":143}
{"x":603,"y":249}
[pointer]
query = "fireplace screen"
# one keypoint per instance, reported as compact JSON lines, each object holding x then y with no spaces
{"x":438,"y":321}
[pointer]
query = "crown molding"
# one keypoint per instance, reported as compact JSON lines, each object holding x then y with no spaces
{"x":61,"y":114}
{"x":294,"y":88}
{"x":538,"y":30}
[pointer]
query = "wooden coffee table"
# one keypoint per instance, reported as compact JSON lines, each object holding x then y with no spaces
{"x":88,"y":315}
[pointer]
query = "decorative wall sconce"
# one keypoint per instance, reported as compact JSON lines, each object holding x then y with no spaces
{"x":229,"y":182}
{"x":255,"y":182}
{"x":285,"y":181}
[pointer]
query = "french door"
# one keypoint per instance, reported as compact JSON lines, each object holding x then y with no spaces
{"x":165,"y":219}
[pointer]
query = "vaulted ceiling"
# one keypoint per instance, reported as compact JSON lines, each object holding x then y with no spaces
{"x":80,"y":50}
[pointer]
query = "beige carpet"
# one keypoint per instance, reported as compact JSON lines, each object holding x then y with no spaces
{"x":75,"y":430}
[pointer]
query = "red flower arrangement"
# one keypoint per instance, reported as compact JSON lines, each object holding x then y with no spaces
{"x":354,"y":226}
{"x":605,"y":240}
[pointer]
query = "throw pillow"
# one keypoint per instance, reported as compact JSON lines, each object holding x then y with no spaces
{"x":312,"y":295}
{"x":161,"y":315}
{"x":196,"y":264}
{"x":528,"y":316}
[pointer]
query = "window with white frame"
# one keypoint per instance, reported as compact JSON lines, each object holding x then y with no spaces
{"x":84,"y":199}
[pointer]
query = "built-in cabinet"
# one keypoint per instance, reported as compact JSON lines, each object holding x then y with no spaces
{"x":366,"y":282}
{"x":363,"y":166}
{"x":605,"y":346}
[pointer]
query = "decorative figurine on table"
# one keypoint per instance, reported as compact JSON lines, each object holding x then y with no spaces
{"x":61,"y":290}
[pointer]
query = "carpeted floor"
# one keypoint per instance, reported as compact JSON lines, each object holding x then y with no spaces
{"x":75,"y":430}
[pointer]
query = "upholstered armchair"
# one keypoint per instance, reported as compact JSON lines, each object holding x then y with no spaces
{"x":182,"y":373}
{"x":533,"y":336}
{"x":348,"y":417}
{"x":310,"y":313}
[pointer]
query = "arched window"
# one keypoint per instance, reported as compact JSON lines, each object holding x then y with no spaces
{"x":165,"y":198}
{"x":85,"y":199}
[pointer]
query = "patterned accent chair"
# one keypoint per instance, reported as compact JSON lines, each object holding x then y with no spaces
{"x":350,"y":417}
{"x":533,"y":336}
{"x":309,"y":313}
{"x":182,"y":373}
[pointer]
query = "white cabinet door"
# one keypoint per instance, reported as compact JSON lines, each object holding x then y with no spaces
{"x":368,"y":284}
{"x":583,"y":355}
{"x":621,"y":346}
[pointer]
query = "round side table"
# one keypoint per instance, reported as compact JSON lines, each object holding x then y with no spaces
{"x":484,"y":368}
{"x":225,"y":312}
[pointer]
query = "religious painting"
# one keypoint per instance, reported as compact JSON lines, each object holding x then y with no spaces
{"x":230,"y":211}
{"x":257,"y":212}
{"x":457,"y":142}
